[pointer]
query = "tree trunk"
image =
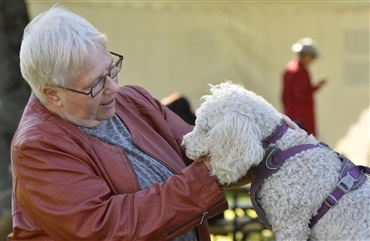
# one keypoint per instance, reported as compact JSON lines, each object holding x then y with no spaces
{"x":14,"y":91}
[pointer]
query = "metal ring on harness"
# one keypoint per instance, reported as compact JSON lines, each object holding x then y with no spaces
{"x":270,"y":153}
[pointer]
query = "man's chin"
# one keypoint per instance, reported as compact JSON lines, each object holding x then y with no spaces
{"x":107,"y":114}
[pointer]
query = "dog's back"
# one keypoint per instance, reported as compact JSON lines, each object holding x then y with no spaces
{"x":292,"y":196}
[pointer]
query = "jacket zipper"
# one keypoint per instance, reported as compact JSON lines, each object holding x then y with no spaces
{"x":189,"y":221}
{"x":146,"y":152}
{"x":203,"y":215}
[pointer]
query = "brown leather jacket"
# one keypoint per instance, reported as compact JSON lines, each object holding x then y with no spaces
{"x":68,"y":185}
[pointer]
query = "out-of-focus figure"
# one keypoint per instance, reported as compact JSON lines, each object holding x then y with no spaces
{"x":298,"y":90}
{"x":181,"y":106}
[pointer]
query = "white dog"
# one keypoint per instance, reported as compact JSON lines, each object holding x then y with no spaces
{"x":230,"y":128}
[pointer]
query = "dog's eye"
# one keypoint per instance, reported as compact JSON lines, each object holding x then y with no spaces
{"x":202,"y":125}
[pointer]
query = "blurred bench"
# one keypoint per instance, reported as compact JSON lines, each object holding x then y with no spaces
{"x":244,"y":221}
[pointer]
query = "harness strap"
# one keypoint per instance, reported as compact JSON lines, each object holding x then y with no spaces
{"x":272,"y":161}
{"x":351,"y":178}
{"x":276,"y":135}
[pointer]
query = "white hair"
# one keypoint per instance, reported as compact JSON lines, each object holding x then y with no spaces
{"x":54,"y":45}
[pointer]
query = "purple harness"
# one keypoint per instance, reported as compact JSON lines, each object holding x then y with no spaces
{"x":351,"y":176}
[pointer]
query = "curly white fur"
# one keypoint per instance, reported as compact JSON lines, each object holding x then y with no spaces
{"x":230,"y":126}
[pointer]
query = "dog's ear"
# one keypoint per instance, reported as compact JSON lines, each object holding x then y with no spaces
{"x":236,"y":147}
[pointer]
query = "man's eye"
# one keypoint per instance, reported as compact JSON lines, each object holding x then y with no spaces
{"x":97,"y":82}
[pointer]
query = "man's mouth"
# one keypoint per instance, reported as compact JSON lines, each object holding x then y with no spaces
{"x":108,"y":103}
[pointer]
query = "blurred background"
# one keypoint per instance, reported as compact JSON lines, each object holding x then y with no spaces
{"x":185,"y":45}
{"x":182,"y":46}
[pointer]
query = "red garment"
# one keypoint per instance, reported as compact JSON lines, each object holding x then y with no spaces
{"x":297,"y":97}
{"x":68,"y":185}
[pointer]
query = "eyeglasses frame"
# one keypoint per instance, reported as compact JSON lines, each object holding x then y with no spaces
{"x":102,"y":79}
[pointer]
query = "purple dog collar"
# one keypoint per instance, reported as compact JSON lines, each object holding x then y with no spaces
{"x":278,"y":133}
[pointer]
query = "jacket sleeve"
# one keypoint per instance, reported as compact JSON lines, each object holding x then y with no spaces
{"x":59,"y":190}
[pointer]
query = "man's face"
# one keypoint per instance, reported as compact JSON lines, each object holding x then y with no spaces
{"x":83,"y":110}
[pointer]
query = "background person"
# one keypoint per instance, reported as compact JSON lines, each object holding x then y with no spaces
{"x":298,"y":90}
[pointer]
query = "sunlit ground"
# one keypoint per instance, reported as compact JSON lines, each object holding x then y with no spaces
{"x":263,"y":235}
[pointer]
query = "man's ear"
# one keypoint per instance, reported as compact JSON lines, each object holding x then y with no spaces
{"x":53,"y":95}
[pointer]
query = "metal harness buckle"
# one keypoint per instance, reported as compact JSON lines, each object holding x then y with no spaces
{"x":270,"y":153}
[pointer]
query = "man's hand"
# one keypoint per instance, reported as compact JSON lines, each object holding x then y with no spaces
{"x":291,"y":124}
{"x":247,"y":179}
{"x":207,"y":162}
{"x":243,"y":181}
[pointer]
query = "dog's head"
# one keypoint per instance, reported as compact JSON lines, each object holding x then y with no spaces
{"x":230,"y":125}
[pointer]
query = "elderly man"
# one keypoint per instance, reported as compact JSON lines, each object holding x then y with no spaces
{"x":93,"y":161}
{"x":298,"y":91}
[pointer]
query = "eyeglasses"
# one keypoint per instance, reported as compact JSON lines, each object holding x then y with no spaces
{"x":99,"y":85}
